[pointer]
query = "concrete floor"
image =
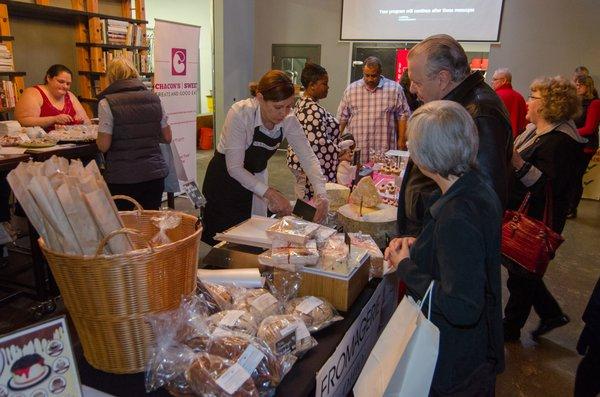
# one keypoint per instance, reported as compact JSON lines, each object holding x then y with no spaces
{"x":545,"y":368}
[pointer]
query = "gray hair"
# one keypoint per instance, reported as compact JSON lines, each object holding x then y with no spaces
{"x":373,"y":62}
{"x":443,"y":53}
{"x":504,"y":72}
{"x":443,"y":139}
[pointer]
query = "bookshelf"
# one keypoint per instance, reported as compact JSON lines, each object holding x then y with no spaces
{"x":12,"y":82}
{"x":98,"y":38}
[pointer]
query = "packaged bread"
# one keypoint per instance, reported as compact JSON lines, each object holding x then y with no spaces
{"x":210,"y":375}
{"x":292,"y":229}
{"x":233,"y":320}
{"x":366,"y":241}
{"x":286,"y":334}
{"x":259,"y":302}
{"x":253,"y":355}
{"x":218,"y":294}
{"x":316,"y":312}
{"x":365,"y":192}
{"x":286,"y":253}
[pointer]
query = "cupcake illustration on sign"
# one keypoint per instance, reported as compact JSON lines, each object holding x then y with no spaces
{"x":28,"y":371}
{"x":58,"y":385}
{"x":61,"y":365}
{"x":55,"y":347}
{"x":178,"y":61}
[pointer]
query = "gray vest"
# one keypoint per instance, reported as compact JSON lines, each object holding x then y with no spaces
{"x":134,"y":155}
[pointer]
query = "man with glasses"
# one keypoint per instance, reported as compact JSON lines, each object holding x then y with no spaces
{"x":514,"y":102}
{"x":374,"y":109}
{"x":438,"y":69}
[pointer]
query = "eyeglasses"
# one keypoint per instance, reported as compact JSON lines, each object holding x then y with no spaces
{"x":534,"y":97}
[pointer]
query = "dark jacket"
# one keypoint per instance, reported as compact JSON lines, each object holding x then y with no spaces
{"x":493,"y":157}
{"x":459,"y":248}
{"x":134,"y":155}
{"x":590,"y":336}
{"x":555,"y":154}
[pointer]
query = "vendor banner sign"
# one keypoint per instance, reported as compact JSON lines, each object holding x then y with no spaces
{"x":176,"y":57}
{"x":337,"y":376}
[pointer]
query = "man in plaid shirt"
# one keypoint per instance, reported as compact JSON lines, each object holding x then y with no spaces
{"x":374,"y":109}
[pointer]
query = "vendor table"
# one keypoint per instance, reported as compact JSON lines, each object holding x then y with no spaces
{"x":329,"y":369}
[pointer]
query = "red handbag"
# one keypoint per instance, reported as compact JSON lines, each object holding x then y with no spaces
{"x":529,"y":242}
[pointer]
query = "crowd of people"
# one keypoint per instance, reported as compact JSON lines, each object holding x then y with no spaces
{"x":475,"y":151}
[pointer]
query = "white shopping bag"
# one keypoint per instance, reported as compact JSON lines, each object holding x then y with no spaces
{"x":403,"y":360}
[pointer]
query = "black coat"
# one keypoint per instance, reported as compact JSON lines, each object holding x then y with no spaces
{"x":556,"y":155}
{"x":493,"y":157}
{"x":459,"y":248}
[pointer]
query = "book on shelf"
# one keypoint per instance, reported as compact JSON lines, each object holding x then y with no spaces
{"x":7,"y":94}
{"x":6,"y":59}
{"x":121,"y":33}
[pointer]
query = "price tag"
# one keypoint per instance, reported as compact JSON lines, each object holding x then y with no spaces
{"x":263,"y":302}
{"x":194,"y":194}
{"x":309,"y":304}
{"x":250,"y":358}
{"x":231,"y":318}
{"x":233,"y":378}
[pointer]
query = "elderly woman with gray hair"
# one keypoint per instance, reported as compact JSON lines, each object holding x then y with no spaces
{"x":459,"y":248}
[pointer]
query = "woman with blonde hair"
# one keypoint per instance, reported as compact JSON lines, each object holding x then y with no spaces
{"x":543,"y":159}
{"x":132,"y":124}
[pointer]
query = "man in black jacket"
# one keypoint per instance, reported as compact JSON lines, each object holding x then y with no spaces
{"x":438,"y":69}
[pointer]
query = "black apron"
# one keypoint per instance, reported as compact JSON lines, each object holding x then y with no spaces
{"x":227,"y":201}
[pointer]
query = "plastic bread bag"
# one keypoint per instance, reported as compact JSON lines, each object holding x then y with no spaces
{"x":286,"y":334}
{"x":284,"y":284}
{"x":259,"y":302}
{"x":334,"y":254}
{"x":316,"y":312}
{"x":233,"y":320}
{"x":215,"y":376}
{"x":167,"y":220}
{"x":294,"y":254}
{"x":293,"y":230}
{"x":218,"y":295}
{"x":378,"y":267}
{"x":254,"y":356}
{"x":167,"y":356}
{"x":193,"y":328}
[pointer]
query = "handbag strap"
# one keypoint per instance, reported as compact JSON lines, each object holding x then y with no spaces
{"x":428,"y":293}
{"x":525,"y":203}
{"x":548,"y":206}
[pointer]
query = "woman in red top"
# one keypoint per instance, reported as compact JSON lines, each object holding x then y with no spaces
{"x":587,"y":126}
{"x":51,"y":103}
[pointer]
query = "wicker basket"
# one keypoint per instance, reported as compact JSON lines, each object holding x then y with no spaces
{"x":109,"y":296}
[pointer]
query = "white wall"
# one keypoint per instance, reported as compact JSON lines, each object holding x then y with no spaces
{"x":234,"y":58}
{"x":197,"y":12}
{"x":303,"y":22}
{"x":546,"y":38}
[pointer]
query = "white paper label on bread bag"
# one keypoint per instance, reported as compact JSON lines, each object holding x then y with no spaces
{"x":309,"y":304}
{"x":231,"y":317}
{"x":250,"y":358}
{"x":287,"y":343}
{"x":233,"y":378}
{"x":301,"y":334}
{"x":263,"y":302}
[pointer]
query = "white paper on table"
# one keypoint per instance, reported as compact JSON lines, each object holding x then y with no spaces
{"x":12,"y":150}
{"x":50,"y":149}
{"x":250,"y":232}
{"x":247,"y":278}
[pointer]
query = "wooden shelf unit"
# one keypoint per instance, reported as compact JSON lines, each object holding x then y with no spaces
{"x":7,"y":39}
{"x":90,"y":49}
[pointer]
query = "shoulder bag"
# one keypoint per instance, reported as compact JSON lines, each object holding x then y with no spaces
{"x":528,"y":242}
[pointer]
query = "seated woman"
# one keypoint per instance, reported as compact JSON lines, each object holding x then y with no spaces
{"x":51,"y":103}
{"x":321,"y":128}
{"x":131,"y":126}
{"x":459,"y":248}
{"x":547,"y":152}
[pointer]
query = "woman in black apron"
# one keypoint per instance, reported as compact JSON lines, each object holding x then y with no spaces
{"x":235,"y":185}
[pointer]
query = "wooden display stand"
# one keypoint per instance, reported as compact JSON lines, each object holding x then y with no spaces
{"x":93,"y":46}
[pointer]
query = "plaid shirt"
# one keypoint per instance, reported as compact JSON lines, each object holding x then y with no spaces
{"x":372,"y":116}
